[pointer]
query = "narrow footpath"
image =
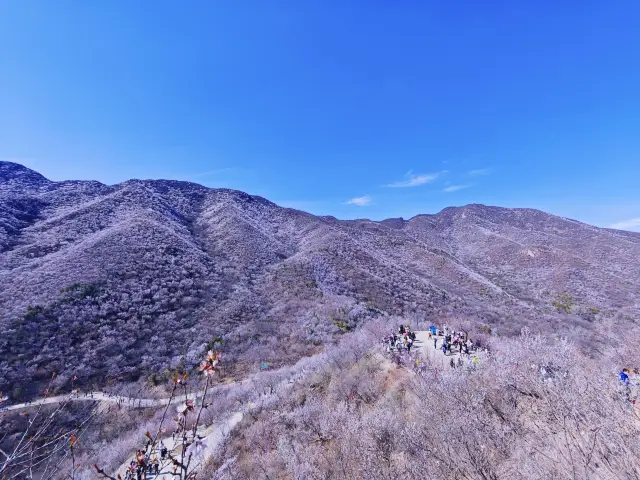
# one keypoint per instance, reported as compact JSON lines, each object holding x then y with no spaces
{"x":125,"y":402}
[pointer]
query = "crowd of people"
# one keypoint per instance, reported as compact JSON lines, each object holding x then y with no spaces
{"x":453,"y":343}
{"x":403,"y":340}
{"x":463,"y":350}
{"x":143,"y":466}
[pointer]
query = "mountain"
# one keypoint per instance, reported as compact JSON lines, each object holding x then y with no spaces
{"x":111,"y":283}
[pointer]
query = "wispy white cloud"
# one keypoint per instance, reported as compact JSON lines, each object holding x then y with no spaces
{"x":479,"y":171}
{"x":211,"y":172}
{"x":412,"y":180}
{"x":455,"y":188}
{"x":360,"y":201}
{"x":632,"y":224}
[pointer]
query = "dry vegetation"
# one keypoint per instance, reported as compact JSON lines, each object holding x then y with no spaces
{"x":360,"y":416}
{"x":534,"y":408}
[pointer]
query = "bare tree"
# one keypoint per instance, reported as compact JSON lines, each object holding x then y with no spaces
{"x":182,"y":454}
{"x":44,"y":450}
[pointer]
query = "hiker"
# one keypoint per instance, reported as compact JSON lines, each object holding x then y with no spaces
{"x":444,"y":348}
{"x":452,"y":363}
{"x":435,"y":342}
{"x":624,"y":376}
{"x":459,"y":362}
{"x":401,"y":330}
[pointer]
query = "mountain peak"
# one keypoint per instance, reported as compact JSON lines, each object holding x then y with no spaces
{"x":396,"y":223}
{"x":10,"y":171}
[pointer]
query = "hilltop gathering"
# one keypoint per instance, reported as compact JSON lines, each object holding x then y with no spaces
{"x":462,"y":350}
{"x":451,"y":342}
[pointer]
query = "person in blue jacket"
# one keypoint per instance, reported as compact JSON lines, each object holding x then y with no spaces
{"x":624,"y":376}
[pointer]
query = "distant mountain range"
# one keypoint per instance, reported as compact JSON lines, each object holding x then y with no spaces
{"x":114,"y":282}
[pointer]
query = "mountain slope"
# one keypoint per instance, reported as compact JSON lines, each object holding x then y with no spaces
{"x":114,"y":282}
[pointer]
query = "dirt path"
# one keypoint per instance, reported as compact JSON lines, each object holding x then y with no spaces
{"x":125,"y":402}
{"x":213,"y":436}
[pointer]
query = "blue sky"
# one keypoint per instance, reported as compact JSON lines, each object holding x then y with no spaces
{"x":355,"y":109}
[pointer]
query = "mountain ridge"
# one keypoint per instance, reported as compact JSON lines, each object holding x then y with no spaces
{"x":18,"y":171}
{"x":160,"y":267}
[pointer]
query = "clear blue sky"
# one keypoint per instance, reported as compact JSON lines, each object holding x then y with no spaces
{"x":315,"y":103}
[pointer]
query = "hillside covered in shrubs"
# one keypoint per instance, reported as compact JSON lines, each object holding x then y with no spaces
{"x":534,"y":408}
{"x":122,"y":283}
